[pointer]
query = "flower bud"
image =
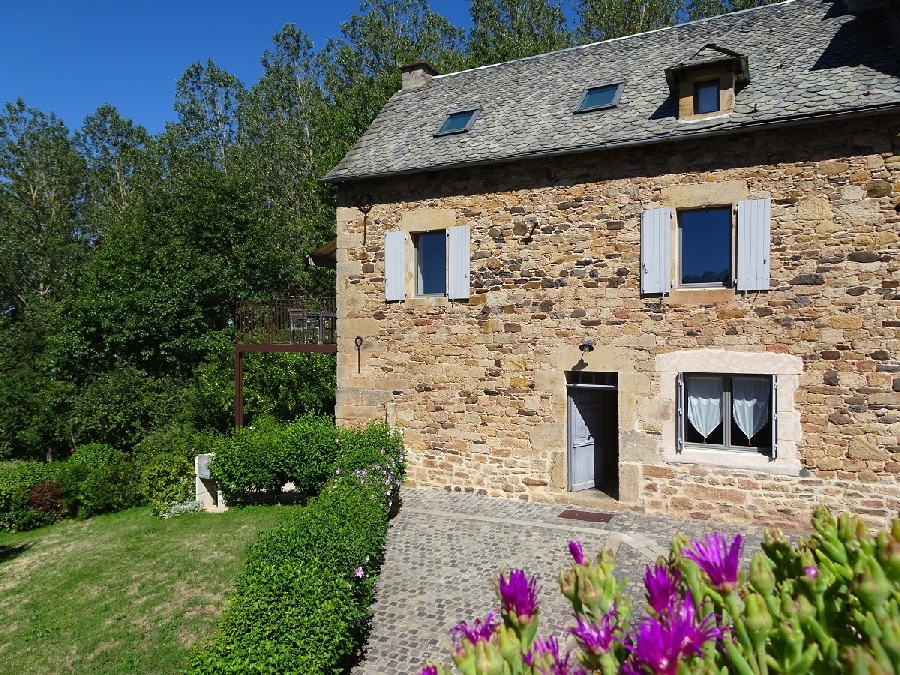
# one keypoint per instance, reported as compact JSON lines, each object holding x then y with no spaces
{"x":872,"y":586}
{"x":758,"y":620}
{"x":761,"y":577}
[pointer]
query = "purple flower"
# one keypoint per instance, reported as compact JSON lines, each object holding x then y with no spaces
{"x":811,"y":572}
{"x":596,"y":638}
{"x":660,"y":643}
{"x":518,"y":594}
{"x":479,"y":630}
{"x":661,"y":585}
{"x":717,"y":559}
{"x":429,"y":669}
{"x":577,"y":552}
{"x":547,"y":651}
{"x":359,"y":572}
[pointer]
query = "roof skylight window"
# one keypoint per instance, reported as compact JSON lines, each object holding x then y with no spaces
{"x":601,"y":97}
{"x":458,"y":122}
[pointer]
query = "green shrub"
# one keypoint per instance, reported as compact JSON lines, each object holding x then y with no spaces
{"x":175,"y":439}
{"x":286,"y":619}
{"x":108,"y":489}
{"x":17,"y":513}
{"x":96,"y":455}
{"x":167,"y":479}
{"x":372,"y":445}
{"x":270,"y":454}
{"x":300,"y":603}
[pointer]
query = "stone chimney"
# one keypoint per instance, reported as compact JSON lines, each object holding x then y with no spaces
{"x":417,"y":74}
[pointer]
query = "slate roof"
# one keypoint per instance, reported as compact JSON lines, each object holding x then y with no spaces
{"x":807,"y":58}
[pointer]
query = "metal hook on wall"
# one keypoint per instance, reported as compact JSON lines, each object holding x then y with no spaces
{"x":358,"y":342}
{"x":364,"y":204}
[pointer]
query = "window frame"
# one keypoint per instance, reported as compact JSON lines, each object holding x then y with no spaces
{"x":417,"y":277}
{"x":727,"y":415}
{"x":620,"y":86}
{"x":731,"y":248}
{"x":453,"y":132}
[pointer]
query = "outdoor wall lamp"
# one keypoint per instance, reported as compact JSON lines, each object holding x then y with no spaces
{"x":586,"y":346}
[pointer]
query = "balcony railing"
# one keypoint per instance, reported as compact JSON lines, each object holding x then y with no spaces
{"x":304,"y":320}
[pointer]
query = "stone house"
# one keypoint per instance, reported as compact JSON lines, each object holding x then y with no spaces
{"x":659,"y":272}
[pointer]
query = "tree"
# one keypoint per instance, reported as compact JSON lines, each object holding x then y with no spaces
{"x":503,"y":30}
{"x":111,"y":147}
{"x":700,"y":9}
{"x":606,"y":19}
{"x":41,"y":194}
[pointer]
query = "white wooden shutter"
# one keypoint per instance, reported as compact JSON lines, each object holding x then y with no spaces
{"x":394,"y":267}
{"x":774,"y":417}
{"x":679,"y":412}
{"x":656,"y":256}
{"x":753,"y":235}
{"x":458,"y":257}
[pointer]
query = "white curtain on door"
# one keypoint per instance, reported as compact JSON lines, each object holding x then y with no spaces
{"x":750,"y":403}
{"x":704,"y":404}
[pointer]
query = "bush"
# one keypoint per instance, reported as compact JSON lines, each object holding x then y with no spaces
{"x":287,"y":619}
{"x":47,"y":498}
{"x":271,"y":454}
{"x":166,"y":480}
{"x":300,"y":602}
{"x":17,"y":478}
{"x":108,"y":489}
{"x":96,"y":456}
{"x":372,"y":445}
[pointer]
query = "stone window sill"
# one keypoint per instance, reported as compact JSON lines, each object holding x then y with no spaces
{"x":699,"y":296}
{"x":724,"y":459}
{"x":427,"y":301}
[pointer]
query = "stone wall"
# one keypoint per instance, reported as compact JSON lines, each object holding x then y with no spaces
{"x":478,"y":387}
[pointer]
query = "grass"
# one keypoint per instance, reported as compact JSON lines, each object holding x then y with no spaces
{"x":123,"y":593}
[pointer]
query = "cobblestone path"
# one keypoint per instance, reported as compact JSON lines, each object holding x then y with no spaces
{"x":443,"y":548}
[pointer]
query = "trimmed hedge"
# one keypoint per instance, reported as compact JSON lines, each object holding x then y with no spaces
{"x":270,"y":454}
{"x":300,"y":603}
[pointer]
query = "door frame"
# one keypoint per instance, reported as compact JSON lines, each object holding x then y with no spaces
{"x":571,"y":388}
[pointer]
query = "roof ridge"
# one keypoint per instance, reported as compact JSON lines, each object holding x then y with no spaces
{"x":618,"y":39}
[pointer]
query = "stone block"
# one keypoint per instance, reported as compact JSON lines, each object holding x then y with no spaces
{"x":687,"y":196}
{"x":716,"y":494}
{"x":861,"y":449}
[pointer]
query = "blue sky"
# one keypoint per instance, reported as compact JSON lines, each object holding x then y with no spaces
{"x":69,"y":57}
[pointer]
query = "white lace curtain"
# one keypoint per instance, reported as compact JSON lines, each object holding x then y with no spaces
{"x":750,"y":404}
{"x":704,"y":404}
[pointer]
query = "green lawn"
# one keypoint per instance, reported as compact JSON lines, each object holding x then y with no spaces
{"x":124,"y":593}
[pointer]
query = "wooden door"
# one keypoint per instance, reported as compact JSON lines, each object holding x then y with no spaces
{"x":585,"y":439}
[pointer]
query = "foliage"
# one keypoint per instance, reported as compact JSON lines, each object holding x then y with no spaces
{"x":268,"y":455}
{"x":830,"y":604}
{"x":300,"y":603}
{"x":166,"y":480}
{"x":607,"y":19}
{"x":17,"y":478}
{"x":504,"y":30}
{"x":373,"y":445}
{"x":47,"y":498}
{"x":96,"y":456}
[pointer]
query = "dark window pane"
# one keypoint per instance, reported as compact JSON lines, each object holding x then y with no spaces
{"x":432,"y":263}
{"x":457,"y":121}
{"x":706,"y":247}
{"x":597,"y":96}
{"x":706,"y":97}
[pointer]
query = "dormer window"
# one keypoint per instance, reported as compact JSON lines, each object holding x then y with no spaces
{"x":600,"y":97}
{"x":706,"y":97}
{"x":706,"y":84}
{"x":458,"y":122}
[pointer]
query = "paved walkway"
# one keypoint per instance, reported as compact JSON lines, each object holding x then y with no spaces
{"x":442,"y":549}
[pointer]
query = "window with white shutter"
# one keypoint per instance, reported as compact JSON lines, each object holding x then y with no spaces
{"x":656,"y":276}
